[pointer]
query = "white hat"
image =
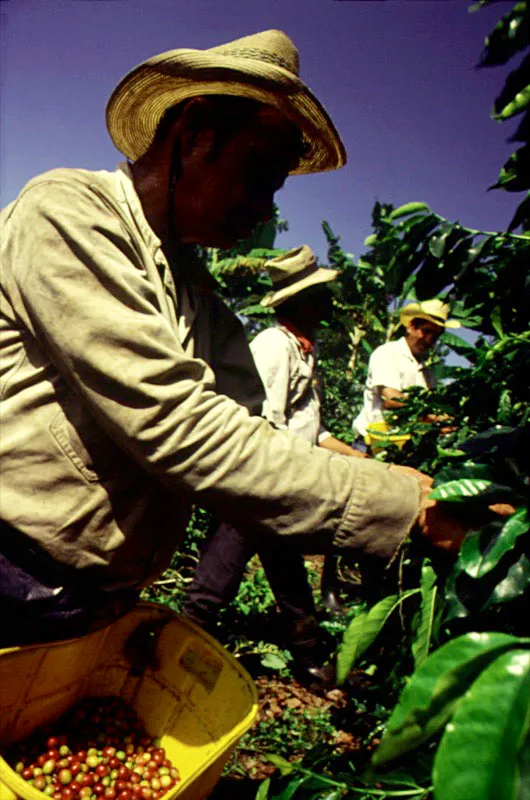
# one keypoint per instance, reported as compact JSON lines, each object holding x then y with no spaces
{"x":293,"y":272}
{"x":263,"y":67}
{"x":432,"y":310}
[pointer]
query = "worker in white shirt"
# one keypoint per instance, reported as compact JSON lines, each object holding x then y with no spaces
{"x":285,"y":359}
{"x":398,"y":365}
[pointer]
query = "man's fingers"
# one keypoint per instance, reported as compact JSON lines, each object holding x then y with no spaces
{"x":503,"y":509}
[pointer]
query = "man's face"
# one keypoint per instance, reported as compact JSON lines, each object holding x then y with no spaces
{"x":422,"y":335}
{"x":225,"y":189}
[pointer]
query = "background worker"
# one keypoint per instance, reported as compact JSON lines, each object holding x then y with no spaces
{"x":285,"y":357}
{"x":400,"y":364}
{"x":128,"y":388}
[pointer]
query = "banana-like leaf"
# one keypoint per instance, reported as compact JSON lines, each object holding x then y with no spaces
{"x":478,"y":753}
{"x":479,"y":562}
{"x":363,"y":630}
{"x":429,"y":591}
{"x":459,"y":345}
{"x":435,"y":689}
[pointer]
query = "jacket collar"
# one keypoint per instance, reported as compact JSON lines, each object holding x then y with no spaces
{"x":306,"y":344}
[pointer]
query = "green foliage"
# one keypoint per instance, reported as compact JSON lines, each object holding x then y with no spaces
{"x":476,"y":450}
{"x":363,"y":630}
{"x":510,"y":37}
{"x":294,"y":732}
{"x":427,"y":621}
{"x":475,"y":692}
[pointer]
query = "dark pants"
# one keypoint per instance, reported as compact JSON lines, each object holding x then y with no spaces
{"x":220,"y":571}
{"x":42,"y":600}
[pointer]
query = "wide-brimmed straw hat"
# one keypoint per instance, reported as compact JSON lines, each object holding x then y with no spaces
{"x":263,"y":67}
{"x":432,"y":310}
{"x":293,"y":272}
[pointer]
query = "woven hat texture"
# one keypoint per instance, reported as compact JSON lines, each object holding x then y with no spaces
{"x":293,"y":272}
{"x":262,"y":66}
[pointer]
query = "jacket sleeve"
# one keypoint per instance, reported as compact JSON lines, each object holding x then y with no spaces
{"x":85,"y":296}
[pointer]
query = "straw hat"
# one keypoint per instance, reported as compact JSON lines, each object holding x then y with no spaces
{"x":432,"y":310}
{"x":263,"y":67}
{"x":293,"y":272}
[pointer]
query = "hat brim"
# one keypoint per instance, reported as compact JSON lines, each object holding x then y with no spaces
{"x":321,"y":275}
{"x":448,"y":323}
{"x":140,"y":100}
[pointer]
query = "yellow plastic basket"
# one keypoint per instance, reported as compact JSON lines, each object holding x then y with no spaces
{"x":192,"y":694}
{"x":378,"y":437}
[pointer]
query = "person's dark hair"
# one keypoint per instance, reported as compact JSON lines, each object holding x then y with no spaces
{"x":230,"y":115}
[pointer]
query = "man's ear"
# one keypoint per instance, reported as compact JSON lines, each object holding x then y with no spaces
{"x":195,"y":126}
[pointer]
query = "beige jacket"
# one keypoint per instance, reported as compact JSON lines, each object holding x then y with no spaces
{"x":120,"y":400}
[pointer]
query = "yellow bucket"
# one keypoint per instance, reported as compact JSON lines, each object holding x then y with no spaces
{"x":378,"y":437}
{"x":193,"y":694}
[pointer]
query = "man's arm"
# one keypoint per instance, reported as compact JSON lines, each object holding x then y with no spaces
{"x":331,"y":443}
{"x":83,"y":291}
{"x":392,"y":398}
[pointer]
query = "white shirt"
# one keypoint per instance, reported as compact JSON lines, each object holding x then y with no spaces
{"x":291,"y":383}
{"x":391,"y":365}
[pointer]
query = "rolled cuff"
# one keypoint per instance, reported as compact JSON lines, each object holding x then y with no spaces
{"x":381,"y":512}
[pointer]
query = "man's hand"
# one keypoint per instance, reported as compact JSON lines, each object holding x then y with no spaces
{"x":435,"y":520}
{"x":446,"y":531}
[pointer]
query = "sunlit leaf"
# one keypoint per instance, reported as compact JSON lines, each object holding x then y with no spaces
{"x":431,"y":695}
{"x":515,"y":526}
{"x":408,"y":208}
{"x":285,"y":767}
{"x":422,"y":642}
{"x":363,"y":630}
{"x":477,"y":756}
{"x":263,"y":791}
{"x":462,"y":489}
{"x":514,"y":585}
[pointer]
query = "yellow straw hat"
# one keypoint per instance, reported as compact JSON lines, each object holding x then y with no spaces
{"x":263,"y":67}
{"x":293,"y":272}
{"x":432,"y":310}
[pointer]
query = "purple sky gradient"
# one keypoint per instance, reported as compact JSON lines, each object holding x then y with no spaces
{"x":397,"y":78}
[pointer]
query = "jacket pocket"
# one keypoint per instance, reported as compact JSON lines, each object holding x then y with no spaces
{"x":87,"y":445}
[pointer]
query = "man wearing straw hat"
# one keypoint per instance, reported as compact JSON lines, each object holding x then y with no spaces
{"x":128,"y":389}
{"x":400,"y":364}
{"x":285,"y":358}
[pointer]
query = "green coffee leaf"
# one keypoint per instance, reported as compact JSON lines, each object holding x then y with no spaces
{"x":515,"y":584}
{"x":515,"y":526}
{"x":477,"y":756}
{"x":455,"y":491}
{"x":263,"y":791}
{"x":435,"y":689}
{"x":363,"y":630}
{"x":408,"y":208}
{"x":420,"y":646}
{"x":285,"y":767}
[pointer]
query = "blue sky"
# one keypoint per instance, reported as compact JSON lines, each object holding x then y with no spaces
{"x":398,"y":78}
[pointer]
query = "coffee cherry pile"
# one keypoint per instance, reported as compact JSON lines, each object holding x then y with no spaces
{"x":99,"y":750}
